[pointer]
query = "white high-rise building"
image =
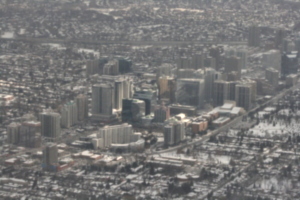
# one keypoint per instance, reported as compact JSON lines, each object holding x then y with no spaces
{"x":69,"y":115}
{"x":117,"y":134}
{"x":174,"y":132}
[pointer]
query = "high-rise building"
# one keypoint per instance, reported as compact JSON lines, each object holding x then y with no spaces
{"x":148,"y":96}
{"x":279,"y":37}
{"x":166,"y":89}
{"x":82,"y":107}
{"x":272,"y":76}
{"x":243,"y":94}
{"x":174,"y":132}
{"x":132,"y":110}
{"x":69,"y":114}
{"x":209,"y":79}
{"x":210,"y":62}
{"x":190,"y":92}
{"x":215,"y":52}
{"x":240,"y":52}
{"x":50,"y":157}
{"x":102,"y":100}
{"x":231,"y":90}
{"x":220,"y":92}
{"x":92,"y":67}
{"x":272,"y":59}
{"x":119,"y":93}
{"x":254,"y":36}
{"x":117,"y":134}
{"x":197,"y":61}
{"x":161,"y":113}
{"x":233,"y":64}
{"x":168,"y":135}
{"x":111,"y":68}
{"x":289,"y":63}
{"x":50,"y":125}
{"x":30,"y":134}
{"x":183,"y":63}
{"x":122,"y":88}
{"x":164,"y":70}
{"x":13,"y":133}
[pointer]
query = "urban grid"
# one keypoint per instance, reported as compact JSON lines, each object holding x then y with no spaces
{"x":149,"y":99}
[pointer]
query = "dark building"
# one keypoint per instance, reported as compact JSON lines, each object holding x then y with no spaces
{"x":289,"y":63}
{"x":254,"y":36}
{"x":132,"y":110}
{"x":125,"y":65}
{"x":148,"y":96}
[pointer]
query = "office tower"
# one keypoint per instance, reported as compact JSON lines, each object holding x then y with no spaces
{"x":69,"y":114}
{"x":190,"y":92}
{"x":50,"y":157}
{"x":13,"y":133}
{"x":168,"y":135}
{"x":220,"y":92}
{"x":30,"y":134}
{"x":126,"y":110}
{"x":209,"y":79}
{"x":82,"y":107}
{"x":243,"y":94}
{"x":102,"y":100}
{"x":179,"y":131}
{"x":215,"y":52}
{"x":289,"y":64}
{"x":119,"y":93}
{"x":197,"y":61}
{"x":166,"y":89}
{"x":50,"y":125}
{"x":127,"y":88}
{"x":272,"y":59}
{"x":92,"y":67}
{"x":279,"y":36}
{"x":132,"y":110}
{"x":174,"y":132}
{"x":231,"y":90}
{"x":288,"y":45}
{"x":161,"y":113}
{"x":148,"y":96}
{"x":122,"y":88}
{"x":239,"y":52}
{"x":111,"y":68}
{"x":272,"y":76}
{"x":233,"y":64}
{"x":117,"y":134}
{"x":138,"y":109}
{"x":210,"y":62}
{"x":185,"y":73}
{"x":254,"y":36}
{"x":183,"y":63}
{"x":125,"y":65}
{"x":164,"y":70}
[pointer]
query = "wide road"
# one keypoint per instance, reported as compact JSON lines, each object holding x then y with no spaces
{"x":106,"y":42}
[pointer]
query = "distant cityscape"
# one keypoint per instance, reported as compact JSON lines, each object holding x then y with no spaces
{"x":134,"y":100}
